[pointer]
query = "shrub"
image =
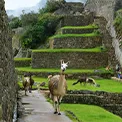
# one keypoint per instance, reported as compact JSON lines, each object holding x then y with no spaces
{"x":118,"y":22}
{"x":29,"y":19}
{"x":15,"y":23}
{"x":38,"y":33}
{"x":51,"y":6}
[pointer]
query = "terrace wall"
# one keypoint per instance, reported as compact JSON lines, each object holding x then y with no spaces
{"x":76,"y":42}
{"x":82,"y":60}
{"x":110,"y":101}
{"x":77,"y":31}
{"x":22,"y":63}
{"x":75,"y":20}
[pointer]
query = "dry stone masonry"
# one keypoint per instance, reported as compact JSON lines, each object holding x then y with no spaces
{"x":7,"y":72}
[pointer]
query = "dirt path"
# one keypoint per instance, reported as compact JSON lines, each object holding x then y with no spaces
{"x":37,"y":109}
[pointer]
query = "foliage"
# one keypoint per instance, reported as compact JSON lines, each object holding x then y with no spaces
{"x":118,"y":22}
{"x":38,"y":33}
{"x":29,"y":19}
{"x":51,"y":6}
{"x":15,"y":23}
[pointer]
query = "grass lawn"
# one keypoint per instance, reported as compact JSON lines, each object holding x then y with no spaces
{"x":75,"y":35}
{"x":29,"y":69}
{"x":96,"y":49}
{"x":80,"y":27}
{"x":107,"y":85}
{"x":90,"y":113}
{"x":22,"y":59}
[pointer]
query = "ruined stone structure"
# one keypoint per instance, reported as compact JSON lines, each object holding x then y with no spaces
{"x":107,"y":9}
{"x":7,"y":72}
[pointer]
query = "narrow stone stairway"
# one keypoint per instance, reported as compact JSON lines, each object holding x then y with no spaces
{"x":35,"y":108}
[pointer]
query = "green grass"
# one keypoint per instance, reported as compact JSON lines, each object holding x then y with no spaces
{"x":29,"y":69}
{"x":90,"y":113}
{"x":22,"y":59}
{"x":107,"y":85}
{"x":97,"y":49}
{"x":75,"y":35}
{"x":38,"y":80}
{"x":81,"y":27}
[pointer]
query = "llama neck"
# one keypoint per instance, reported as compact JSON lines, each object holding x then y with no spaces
{"x":61,"y":80}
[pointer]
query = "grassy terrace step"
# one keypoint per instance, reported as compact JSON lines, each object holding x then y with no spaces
{"x":97,"y":49}
{"x":79,"y":58}
{"x":70,"y":73}
{"x":22,"y":62}
{"x":91,"y":40}
{"x":90,"y":113}
{"x":74,"y":35}
{"x":77,"y":29}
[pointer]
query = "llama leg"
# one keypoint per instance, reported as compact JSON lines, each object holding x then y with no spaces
{"x":55,"y":104}
{"x":29,"y":89}
{"x":59,"y":102}
{"x":25,"y":92}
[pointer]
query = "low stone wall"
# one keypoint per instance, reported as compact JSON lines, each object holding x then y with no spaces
{"x":110,"y":101}
{"x":70,"y":75}
{"x":79,"y":20}
{"x":25,"y":62}
{"x":82,"y":60}
{"x":77,"y":31}
{"x":76,"y":42}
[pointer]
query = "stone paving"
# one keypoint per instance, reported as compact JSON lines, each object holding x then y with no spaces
{"x":37,"y":109}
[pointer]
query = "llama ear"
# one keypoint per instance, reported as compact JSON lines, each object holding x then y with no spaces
{"x":68,"y":63}
{"x":62,"y":61}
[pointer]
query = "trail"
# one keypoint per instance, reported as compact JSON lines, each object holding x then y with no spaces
{"x":37,"y":109}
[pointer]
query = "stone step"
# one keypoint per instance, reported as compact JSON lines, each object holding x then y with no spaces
{"x":79,"y":59}
{"x":70,"y":73}
{"x":75,"y":42}
{"x":77,"y":29}
{"x":77,"y":20}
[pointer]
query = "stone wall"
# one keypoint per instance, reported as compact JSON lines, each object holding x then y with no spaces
{"x":76,"y":42}
{"x":110,"y":101}
{"x":106,"y":9}
{"x":72,"y":8}
{"x":7,"y":72}
{"x":77,"y":59}
{"x":106,"y":39}
{"x":77,"y":31}
{"x":97,"y":74}
{"x":80,"y":20}
{"x":22,"y":62}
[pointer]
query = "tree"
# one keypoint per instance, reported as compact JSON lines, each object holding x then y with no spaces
{"x":29,"y":19}
{"x":15,"y":22}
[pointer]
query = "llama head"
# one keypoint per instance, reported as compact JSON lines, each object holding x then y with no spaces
{"x":64,"y":65}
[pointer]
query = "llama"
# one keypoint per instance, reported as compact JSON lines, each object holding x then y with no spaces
{"x":58,"y":87}
{"x":85,"y":80}
{"x":27,"y":83}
